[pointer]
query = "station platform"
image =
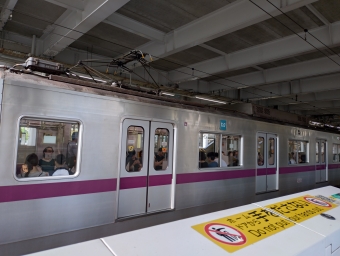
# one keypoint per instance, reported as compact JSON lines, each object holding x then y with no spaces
{"x":306,"y":224}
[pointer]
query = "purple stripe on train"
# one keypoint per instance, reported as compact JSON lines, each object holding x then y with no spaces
{"x":210,"y":176}
{"x":266,"y":171}
{"x":159,"y":180}
{"x":292,"y":169}
{"x":333,"y":166}
{"x":141,"y":181}
{"x":38,"y":191}
{"x":133,"y":182}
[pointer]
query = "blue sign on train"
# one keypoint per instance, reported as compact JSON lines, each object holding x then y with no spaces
{"x":223,"y":125}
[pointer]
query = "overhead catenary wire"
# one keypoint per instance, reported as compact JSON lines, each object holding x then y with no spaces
{"x":126,"y":47}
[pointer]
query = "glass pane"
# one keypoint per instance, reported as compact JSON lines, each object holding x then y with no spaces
{"x":134,"y":149}
{"x":271,"y":151}
{"x":302,"y":153}
{"x":323,"y":146}
{"x":291,"y":150}
{"x":46,"y":148}
{"x":230,"y":150}
{"x":317,"y":153}
{"x":27,"y":136}
{"x":335,"y":153}
{"x":209,"y":144}
{"x":338,"y":153}
{"x":260,"y":151}
{"x":161,"y":149}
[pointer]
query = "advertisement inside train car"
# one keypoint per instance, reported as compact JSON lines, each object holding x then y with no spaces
{"x":237,"y":231}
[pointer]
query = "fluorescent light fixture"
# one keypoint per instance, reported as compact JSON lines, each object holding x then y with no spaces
{"x":168,"y":94}
{"x":217,"y":101}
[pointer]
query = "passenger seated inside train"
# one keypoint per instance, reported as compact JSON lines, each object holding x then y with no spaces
{"x":302,"y":158}
{"x":159,"y":158}
{"x":31,"y":167}
{"x":60,"y":166}
{"x":210,"y":160}
{"x":292,"y":158}
{"x":230,"y":158}
{"x":260,"y":161}
{"x":72,"y":148}
{"x":47,"y":162}
{"x":140,"y":157}
{"x":73,"y":169}
{"x":223,"y":163}
{"x":201,"y":161}
{"x":132,"y":163}
{"x":235,"y":158}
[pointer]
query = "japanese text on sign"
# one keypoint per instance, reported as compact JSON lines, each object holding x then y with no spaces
{"x":240,"y":230}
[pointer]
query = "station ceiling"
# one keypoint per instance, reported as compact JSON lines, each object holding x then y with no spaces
{"x":276,"y":53}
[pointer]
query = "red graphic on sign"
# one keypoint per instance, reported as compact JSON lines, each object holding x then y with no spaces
{"x":225,"y":234}
{"x":317,"y":201}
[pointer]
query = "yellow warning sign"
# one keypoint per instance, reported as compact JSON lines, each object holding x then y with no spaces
{"x":130,"y":148}
{"x":240,"y":230}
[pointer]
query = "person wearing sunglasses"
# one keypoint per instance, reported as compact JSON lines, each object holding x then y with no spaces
{"x":47,"y":163}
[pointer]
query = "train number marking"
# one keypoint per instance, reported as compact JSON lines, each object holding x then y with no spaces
{"x":225,"y":234}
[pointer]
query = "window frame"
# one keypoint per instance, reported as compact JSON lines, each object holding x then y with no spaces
{"x":338,"y":152}
{"x":48,"y":119}
{"x":240,"y":152}
{"x":307,"y":152}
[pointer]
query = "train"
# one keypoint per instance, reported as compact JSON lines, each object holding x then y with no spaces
{"x":139,"y":154}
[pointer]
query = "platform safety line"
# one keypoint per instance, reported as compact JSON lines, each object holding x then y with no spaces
{"x":108,"y":247}
{"x":284,"y":217}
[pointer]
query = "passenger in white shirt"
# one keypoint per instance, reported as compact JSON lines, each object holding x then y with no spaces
{"x":223,"y":163}
{"x":291,"y":159}
{"x":60,"y":163}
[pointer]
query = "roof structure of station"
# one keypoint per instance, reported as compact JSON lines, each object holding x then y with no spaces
{"x":275,"y":53}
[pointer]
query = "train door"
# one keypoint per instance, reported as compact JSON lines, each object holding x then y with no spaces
{"x":266,"y":165}
{"x":321,"y":161}
{"x":146,"y":169}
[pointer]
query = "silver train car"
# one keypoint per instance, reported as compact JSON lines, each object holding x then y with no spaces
{"x":135,"y":156}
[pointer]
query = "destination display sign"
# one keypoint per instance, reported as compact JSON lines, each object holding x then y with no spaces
{"x":237,"y":231}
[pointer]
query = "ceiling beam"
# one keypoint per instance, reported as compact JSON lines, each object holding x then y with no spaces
{"x":274,"y":93}
{"x":334,"y":111}
{"x":302,"y":98}
{"x":74,"y":5}
{"x":317,"y":14}
{"x":232,"y":17}
{"x":315,"y":105}
{"x":6,"y":11}
{"x":134,"y":27}
{"x":316,"y":67}
{"x":275,"y":50}
{"x":78,"y":23}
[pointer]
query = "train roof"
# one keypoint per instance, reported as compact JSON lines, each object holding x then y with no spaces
{"x":137,"y":95}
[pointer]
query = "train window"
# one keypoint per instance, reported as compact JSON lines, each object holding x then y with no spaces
{"x":134,"y":145}
{"x":230,"y":149}
{"x":260,"y":151}
{"x":27,"y":136}
{"x":211,"y":154}
{"x":336,"y":152}
{"x":271,"y":151}
{"x":298,"y":152}
{"x":323,"y":146}
{"x":47,"y":148}
{"x":209,"y":144}
{"x":161,"y":149}
{"x":317,"y":152}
